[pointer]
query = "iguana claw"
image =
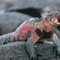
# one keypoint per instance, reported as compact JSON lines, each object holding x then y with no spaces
{"x":56,"y":52}
{"x":34,"y":58}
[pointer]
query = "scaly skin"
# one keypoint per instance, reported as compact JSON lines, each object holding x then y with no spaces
{"x":35,"y":30}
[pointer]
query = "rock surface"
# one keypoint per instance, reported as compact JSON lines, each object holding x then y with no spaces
{"x":9,"y":21}
{"x":17,"y":51}
{"x":49,"y":5}
{"x":57,"y":32}
{"x":45,"y":4}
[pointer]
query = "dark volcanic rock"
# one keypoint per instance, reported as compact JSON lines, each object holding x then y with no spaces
{"x":17,"y":51}
{"x":13,"y":51}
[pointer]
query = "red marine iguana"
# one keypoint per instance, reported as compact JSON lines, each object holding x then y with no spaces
{"x":36,"y":29}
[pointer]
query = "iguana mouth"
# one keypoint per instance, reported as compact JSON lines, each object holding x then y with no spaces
{"x":56,"y":20}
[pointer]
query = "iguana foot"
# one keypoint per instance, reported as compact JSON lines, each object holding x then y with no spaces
{"x":38,"y":55}
{"x":54,"y":49}
{"x":56,"y":52}
{"x":34,"y":58}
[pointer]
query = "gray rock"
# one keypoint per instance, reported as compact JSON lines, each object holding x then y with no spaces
{"x":9,"y":21}
{"x":57,"y":32}
{"x":17,"y":51}
{"x":13,"y":51}
{"x":21,"y":4}
{"x":49,"y":5}
{"x":3,"y":6}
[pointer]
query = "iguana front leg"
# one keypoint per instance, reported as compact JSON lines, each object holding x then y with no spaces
{"x":56,"y":47}
{"x":30,"y":49}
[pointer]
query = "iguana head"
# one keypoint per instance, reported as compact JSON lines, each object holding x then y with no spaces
{"x":51,"y":21}
{"x":50,"y":16}
{"x":53,"y":16}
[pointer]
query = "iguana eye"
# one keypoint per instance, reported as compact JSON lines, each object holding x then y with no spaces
{"x":50,"y":15}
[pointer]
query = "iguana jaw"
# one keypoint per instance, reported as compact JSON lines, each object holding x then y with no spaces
{"x":56,"y":20}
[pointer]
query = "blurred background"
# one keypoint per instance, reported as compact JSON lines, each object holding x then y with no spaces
{"x":14,"y":12}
